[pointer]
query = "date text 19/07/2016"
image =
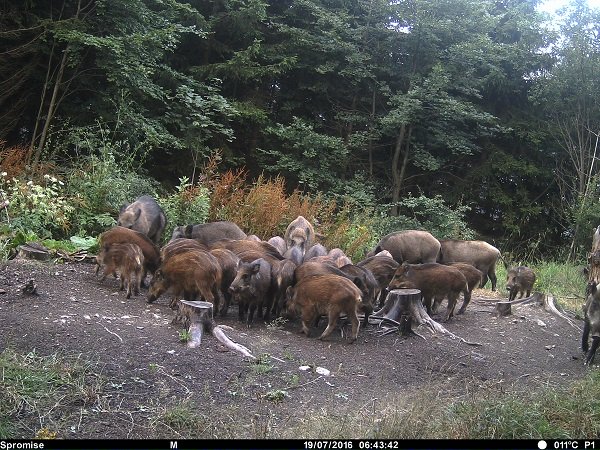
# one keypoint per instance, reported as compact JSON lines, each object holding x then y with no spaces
{"x":349,"y":444}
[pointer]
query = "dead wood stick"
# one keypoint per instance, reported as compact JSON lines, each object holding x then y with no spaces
{"x":551,"y":308}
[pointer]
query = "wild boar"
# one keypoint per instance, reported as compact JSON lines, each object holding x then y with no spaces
{"x":253,"y":237}
{"x":383,"y":269}
{"x":282,"y":273}
{"x":328,"y":295}
{"x":371,"y":288}
{"x":519,"y":280}
{"x":294,"y":254}
{"x":210,"y":232}
{"x":314,"y":251}
{"x":279,"y":244}
{"x":591,"y":322}
{"x":411,"y":246}
{"x":434,"y":281}
{"x":252,"y":287}
{"x":144,"y":215}
{"x":122,"y":235}
{"x":128,"y":259}
{"x":474,"y":278}
{"x":195,"y":275}
{"x":180,"y":245}
{"x":229,"y":263}
{"x":299,"y":233}
{"x":339,"y":257}
{"x":479,"y":254}
{"x":249,"y":250}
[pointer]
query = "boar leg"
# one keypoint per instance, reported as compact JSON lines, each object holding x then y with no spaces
{"x":308,"y":318}
{"x":451,"y":306}
{"x":333,"y":315}
{"x":585,"y":335}
{"x":493,"y":279}
{"x":466,"y":301}
{"x":355,"y":325}
{"x":436,"y":304}
{"x":251,"y":311}
{"x":589,"y":359}
{"x":427,"y":304}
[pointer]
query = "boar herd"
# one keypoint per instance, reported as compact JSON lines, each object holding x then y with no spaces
{"x":293,"y":275}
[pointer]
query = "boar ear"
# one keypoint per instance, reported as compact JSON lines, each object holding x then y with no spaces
{"x":188,"y":231}
{"x":137,"y":214}
{"x":256,"y":267}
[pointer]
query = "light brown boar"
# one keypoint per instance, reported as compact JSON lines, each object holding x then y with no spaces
{"x":299,"y":233}
{"x":122,"y":235}
{"x":193,"y":275}
{"x":479,"y":254}
{"x":474,"y":278}
{"x":434,"y":281}
{"x":128,"y":260}
{"x":411,"y":246}
{"x":328,"y":295}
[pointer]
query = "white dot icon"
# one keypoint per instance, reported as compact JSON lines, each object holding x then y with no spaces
{"x":542,"y":445}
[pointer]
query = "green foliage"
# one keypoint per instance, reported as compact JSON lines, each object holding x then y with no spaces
{"x":189,"y":204}
{"x":42,"y":209}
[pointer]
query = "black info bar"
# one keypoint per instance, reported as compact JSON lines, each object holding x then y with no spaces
{"x":299,"y":444}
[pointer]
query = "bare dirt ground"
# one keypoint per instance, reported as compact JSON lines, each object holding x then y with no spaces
{"x":147,"y":371}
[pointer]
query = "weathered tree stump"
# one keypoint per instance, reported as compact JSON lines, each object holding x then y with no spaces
{"x":198,"y":317}
{"x":33,"y":250}
{"x":404,"y":309}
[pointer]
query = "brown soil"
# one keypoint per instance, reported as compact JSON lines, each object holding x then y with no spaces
{"x":147,"y":371}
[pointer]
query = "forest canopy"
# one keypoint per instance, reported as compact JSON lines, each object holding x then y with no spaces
{"x":482,"y":107}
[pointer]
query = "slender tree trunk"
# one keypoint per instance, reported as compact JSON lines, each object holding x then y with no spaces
{"x":399,"y":171}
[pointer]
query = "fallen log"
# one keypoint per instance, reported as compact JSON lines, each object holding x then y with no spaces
{"x":198,"y":317}
{"x":405,"y":308}
{"x":503,"y":308}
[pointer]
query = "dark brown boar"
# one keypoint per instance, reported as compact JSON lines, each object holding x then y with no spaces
{"x":383,"y":269}
{"x":122,"y":235}
{"x":434,"y":281}
{"x":479,"y":254}
{"x":370,"y":292}
{"x":299,"y":233}
{"x":474,"y":278}
{"x":210,"y":232}
{"x":519,"y":280}
{"x":180,"y":245}
{"x":249,"y":250}
{"x":128,"y":259}
{"x":328,"y":295}
{"x":591,"y":323}
{"x":252,"y":288}
{"x":411,"y":246}
{"x":144,"y":215}
{"x":193,"y":275}
{"x":229,"y":263}
{"x":282,"y":273}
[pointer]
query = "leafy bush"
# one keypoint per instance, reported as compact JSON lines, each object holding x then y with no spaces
{"x":42,"y":209}
{"x":189,"y":204}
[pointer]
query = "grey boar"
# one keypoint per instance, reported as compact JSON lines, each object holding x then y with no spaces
{"x":210,"y":232}
{"x":294,"y":254}
{"x":194,"y":275}
{"x":314,"y":251}
{"x":279,"y":244}
{"x":253,"y":237}
{"x":299,"y":233}
{"x":128,"y":259}
{"x":144,"y":215}
{"x":229,"y":263}
{"x":282,"y":273}
{"x":479,"y":254}
{"x":519,"y":280}
{"x":434,"y":281}
{"x":411,"y":246}
{"x":591,"y":322}
{"x":474,"y":278}
{"x":339,"y":257}
{"x":121,"y":235}
{"x":328,"y":295}
{"x":383,"y":269}
{"x":252,"y":287}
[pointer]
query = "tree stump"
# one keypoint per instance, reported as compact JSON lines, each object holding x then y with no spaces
{"x":198,"y":317}
{"x":594,"y":258}
{"x":404,"y":309}
{"x":33,"y":250}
